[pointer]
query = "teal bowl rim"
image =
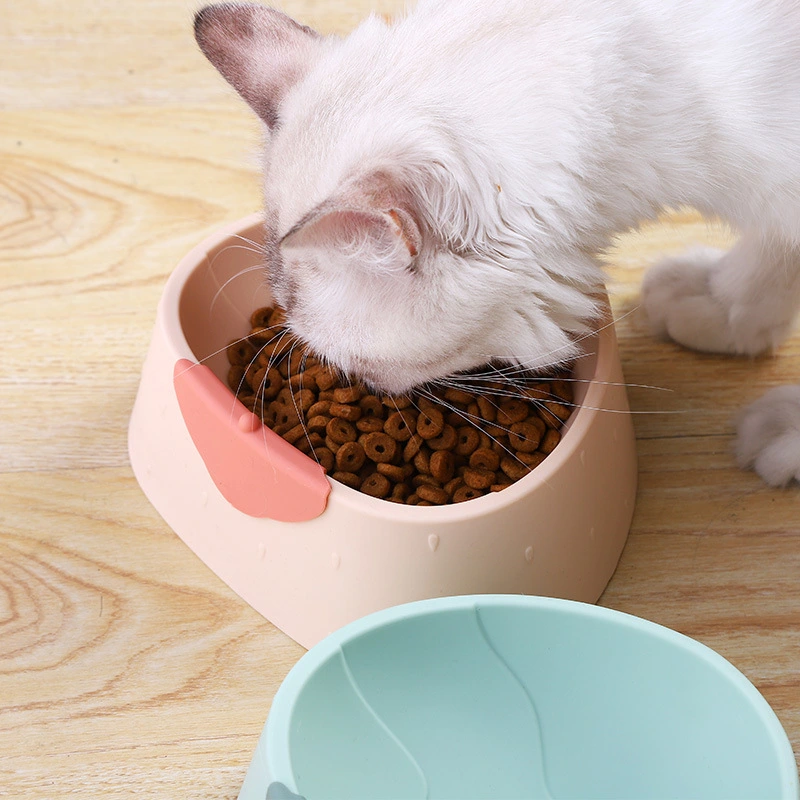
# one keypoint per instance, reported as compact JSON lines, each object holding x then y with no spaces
{"x":276,"y":747}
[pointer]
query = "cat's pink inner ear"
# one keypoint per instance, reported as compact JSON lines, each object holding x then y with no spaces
{"x":261,"y":52}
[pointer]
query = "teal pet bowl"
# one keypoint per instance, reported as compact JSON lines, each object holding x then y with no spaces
{"x":500,"y":697}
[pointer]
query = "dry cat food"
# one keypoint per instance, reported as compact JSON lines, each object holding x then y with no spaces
{"x":441,"y":445}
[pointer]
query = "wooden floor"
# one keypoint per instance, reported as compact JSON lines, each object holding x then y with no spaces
{"x":126,"y":667}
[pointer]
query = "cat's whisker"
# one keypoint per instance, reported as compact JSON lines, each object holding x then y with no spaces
{"x":224,"y":286}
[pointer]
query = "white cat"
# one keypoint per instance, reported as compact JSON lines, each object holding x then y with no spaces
{"x":438,"y":189}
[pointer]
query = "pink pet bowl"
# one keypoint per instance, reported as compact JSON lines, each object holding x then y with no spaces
{"x":311,"y":554}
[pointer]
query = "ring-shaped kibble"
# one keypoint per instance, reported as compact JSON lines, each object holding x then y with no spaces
{"x":240,"y":353}
{"x":379,"y":446}
{"x":430,"y":423}
{"x":302,"y":381}
{"x":318,"y":424}
{"x":341,"y":431}
{"x":422,"y":461}
{"x":466,"y":493}
{"x":549,"y":442}
{"x":412,"y":447}
{"x":526,"y":436}
{"x":369,"y":424}
{"x":286,"y":415}
{"x":371,"y":406}
{"x":514,"y":468}
{"x":254,"y":376}
{"x":442,"y":465}
{"x":447,"y":440}
{"x":393,"y":472}
{"x":376,"y":485}
{"x":459,"y":396}
{"x":261,"y":316}
{"x":325,"y":458}
{"x":512,"y":411}
{"x":455,"y":483}
{"x":559,"y":409}
{"x":348,"y":394}
{"x":320,"y":407}
{"x":400,"y":426}
{"x":531,"y":459}
{"x":485,"y":458}
{"x":304,"y":399}
{"x":477,"y":478}
{"x":433,"y":494}
{"x":350,"y":457}
{"x":236,"y":375}
{"x":397,"y":403}
{"x":347,"y":478}
{"x":345,"y":411}
{"x":326,"y":379}
{"x":487,"y":409}
{"x":293,"y":435}
{"x":467,"y":441}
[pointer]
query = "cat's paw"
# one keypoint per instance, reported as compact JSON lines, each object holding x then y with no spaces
{"x":686,"y":299}
{"x":768,"y":439}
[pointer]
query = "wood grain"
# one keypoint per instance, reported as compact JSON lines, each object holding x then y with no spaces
{"x":126,"y":667}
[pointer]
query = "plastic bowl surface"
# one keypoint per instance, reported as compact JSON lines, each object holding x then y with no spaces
{"x":499,"y":697}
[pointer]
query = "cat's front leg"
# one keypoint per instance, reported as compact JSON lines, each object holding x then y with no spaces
{"x":741,"y":301}
{"x":768,"y":436}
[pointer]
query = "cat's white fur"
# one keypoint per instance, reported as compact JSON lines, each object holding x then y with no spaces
{"x":438,"y":189}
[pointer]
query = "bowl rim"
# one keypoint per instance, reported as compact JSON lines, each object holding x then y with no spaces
{"x":575,"y":429}
{"x":276,"y":749}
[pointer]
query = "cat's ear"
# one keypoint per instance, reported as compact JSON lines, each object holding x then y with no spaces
{"x":261,"y":52}
{"x":372,"y":238}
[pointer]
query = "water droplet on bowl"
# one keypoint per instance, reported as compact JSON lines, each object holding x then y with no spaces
{"x":433,"y":542}
{"x":335,"y":560}
{"x":529,"y":554}
{"x":262,"y":550}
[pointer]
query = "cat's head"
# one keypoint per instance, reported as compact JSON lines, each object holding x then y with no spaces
{"x":386,"y":241}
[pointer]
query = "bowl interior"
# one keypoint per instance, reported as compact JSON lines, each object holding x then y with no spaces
{"x":227,"y":283}
{"x":511,"y":698}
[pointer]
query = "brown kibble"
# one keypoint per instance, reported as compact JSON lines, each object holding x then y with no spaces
{"x":369,"y":424}
{"x":467,"y":441}
{"x":340,"y":430}
{"x":320,"y":407}
{"x":395,"y":473}
{"x":526,"y":436}
{"x":260,"y":317}
{"x":477,"y":478}
{"x":452,"y":485}
{"x":376,"y":485}
{"x":549,"y":442}
{"x":486,"y":459}
{"x":348,"y":394}
{"x":466,"y":493}
{"x":344,"y":411}
{"x":459,"y":396}
{"x":318,"y":424}
{"x":357,"y":436}
{"x":442,"y":465}
{"x":430,"y":423}
{"x":432,"y":494}
{"x":514,"y":468}
{"x":326,"y":379}
{"x":447,"y":440}
{"x":350,"y":457}
{"x":294,"y":434}
{"x":348,"y":479}
{"x":304,"y":399}
{"x":400,"y":425}
{"x":325,"y":457}
{"x":241,"y":353}
{"x":379,"y":446}
{"x":512,"y":411}
{"x":412,"y":447}
{"x":397,"y":403}
{"x":487,"y":409}
{"x":236,"y":378}
{"x":371,"y":406}
{"x":422,"y":461}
